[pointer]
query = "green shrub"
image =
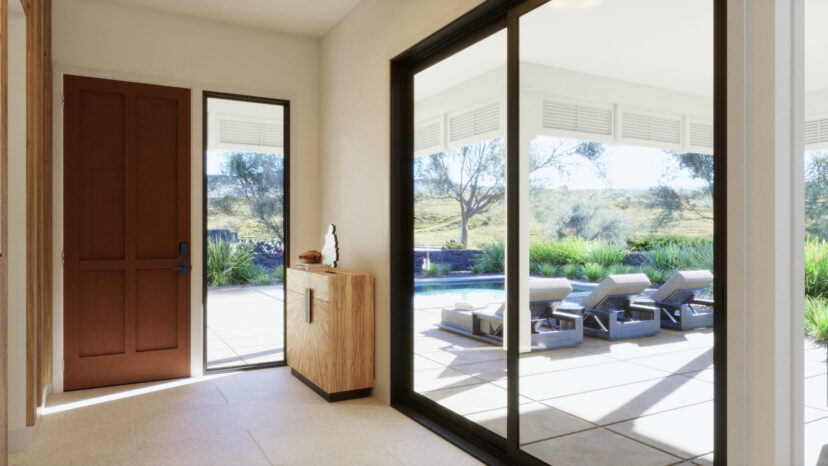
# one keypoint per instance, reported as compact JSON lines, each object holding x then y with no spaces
{"x":816,"y":268}
{"x":656,"y":275}
{"x":700,"y":256}
{"x":452,"y":244}
{"x":572,"y":271}
{"x":570,"y":250}
{"x":647,"y":243}
{"x":605,"y":254}
{"x":618,"y":269}
{"x":232,"y":264}
{"x":437,"y":269}
{"x":816,"y":318}
{"x":492,"y":259}
{"x":594,"y":272}
{"x":279,"y":273}
{"x":547,"y":270}
{"x":668,"y":257}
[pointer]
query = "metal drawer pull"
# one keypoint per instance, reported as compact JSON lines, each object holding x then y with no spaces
{"x":308,"y":303}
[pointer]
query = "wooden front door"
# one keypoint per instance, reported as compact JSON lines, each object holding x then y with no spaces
{"x":126,"y":232}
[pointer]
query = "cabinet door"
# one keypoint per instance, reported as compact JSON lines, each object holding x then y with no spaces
{"x":307,"y":343}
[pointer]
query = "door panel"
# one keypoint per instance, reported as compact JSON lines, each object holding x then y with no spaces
{"x":100,"y":176}
{"x":156,"y":143}
{"x":126,"y":210}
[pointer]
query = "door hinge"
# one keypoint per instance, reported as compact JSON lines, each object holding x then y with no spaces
{"x":62,"y":100}
{"x":63,"y":257}
{"x":63,"y":365}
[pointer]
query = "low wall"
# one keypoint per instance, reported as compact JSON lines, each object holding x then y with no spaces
{"x":461,"y":260}
{"x":269,"y":260}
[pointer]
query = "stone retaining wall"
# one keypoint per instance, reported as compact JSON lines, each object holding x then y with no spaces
{"x":461,"y":260}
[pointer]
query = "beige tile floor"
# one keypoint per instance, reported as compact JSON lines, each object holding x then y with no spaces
{"x":257,"y":417}
{"x":642,"y":401}
{"x":245,"y":325}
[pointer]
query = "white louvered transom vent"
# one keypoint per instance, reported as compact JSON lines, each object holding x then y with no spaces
{"x":650,"y":128}
{"x":251,"y":133}
{"x":816,"y":132}
{"x":428,"y":136}
{"x":479,"y":121}
{"x":701,"y":135}
{"x":574,"y":117}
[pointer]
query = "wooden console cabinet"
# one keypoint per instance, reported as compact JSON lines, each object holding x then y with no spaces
{"x":330,"y":331}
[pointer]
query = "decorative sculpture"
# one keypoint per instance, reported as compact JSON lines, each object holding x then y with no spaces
{"x":330,"y":252}
{"x":310,"y":257}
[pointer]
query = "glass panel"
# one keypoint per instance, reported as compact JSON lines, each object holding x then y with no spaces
{"x":816,"y":234}
{"x":616,"y":115}
{"x":459,"y":170}
{"x":245,"y":233}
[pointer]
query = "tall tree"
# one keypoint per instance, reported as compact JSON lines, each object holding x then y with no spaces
{"x":474,"y":175}
{"x":676,"y":206}
{"x":257,"y":180}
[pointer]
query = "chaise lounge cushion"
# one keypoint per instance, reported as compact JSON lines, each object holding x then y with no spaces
{"x":685,"y":280}
{"x":548,"y":289}
{"x":621,"y":284}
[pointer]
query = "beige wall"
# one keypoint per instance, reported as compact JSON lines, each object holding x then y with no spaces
{"x":106,"y":40}
{"x":355,"y":136}
{"x":17,"y":231}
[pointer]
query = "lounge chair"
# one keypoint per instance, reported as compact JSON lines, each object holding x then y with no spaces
{"x":676,"y":298}
{"x":609,"y":311}
{"x":551,"y":329}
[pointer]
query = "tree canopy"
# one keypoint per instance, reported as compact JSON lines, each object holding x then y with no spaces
{"x":257,"y":180}
{"x":474,"y":175}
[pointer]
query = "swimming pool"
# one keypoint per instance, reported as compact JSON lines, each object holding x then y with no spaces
{"x":444,"y":293}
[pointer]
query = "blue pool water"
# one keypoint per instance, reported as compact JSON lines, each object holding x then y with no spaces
{"x":445,"y":293}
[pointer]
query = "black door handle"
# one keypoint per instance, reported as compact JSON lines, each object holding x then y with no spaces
{"x":183,"y":267}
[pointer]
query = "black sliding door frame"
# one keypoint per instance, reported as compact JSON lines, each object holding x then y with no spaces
{"x":285,"y":104}
{"x":479,"y":23}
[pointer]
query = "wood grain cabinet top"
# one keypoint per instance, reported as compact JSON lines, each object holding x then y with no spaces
{"x":330,"y":331}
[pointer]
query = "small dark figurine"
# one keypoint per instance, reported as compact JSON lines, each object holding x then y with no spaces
{"x":310,"y":257}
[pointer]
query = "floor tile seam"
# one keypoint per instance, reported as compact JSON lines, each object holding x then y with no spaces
{"x":648,"y":445}
{"x":818,"y":408}
{"x":226,"y":344}
{"x":458,"y":367}
{"x":593,"y":427}
{"x":442,"y":364}
{"x":591,"y":390}
{"x":259,"y":447}
{"x":633,"y":361}
{"x":614,"y":423}
{"x":628,"y":359}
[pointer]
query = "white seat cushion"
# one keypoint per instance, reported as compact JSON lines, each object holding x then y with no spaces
{"x":623,"y":284}
{"x":548,"y":289}
{"x":684,"y":280}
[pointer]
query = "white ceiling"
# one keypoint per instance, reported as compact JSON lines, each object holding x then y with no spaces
{"x":662,"y":43}
{"x":312,"y":18}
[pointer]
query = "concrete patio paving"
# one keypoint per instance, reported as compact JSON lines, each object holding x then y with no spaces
{"x":245,"y":325}
{"x":642,"y":401}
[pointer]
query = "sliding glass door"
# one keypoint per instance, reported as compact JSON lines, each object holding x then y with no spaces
{"x":616,"y":232}
{"x":246,"y":230}
{"x":554,"y":288}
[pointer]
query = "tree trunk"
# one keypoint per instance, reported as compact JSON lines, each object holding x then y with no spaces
{"x":464,"y":229}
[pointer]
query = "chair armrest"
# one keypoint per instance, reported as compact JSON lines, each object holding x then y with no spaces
{"x":644,"y":309}
{"x":703,"y":302}
{"x":571,"y":316}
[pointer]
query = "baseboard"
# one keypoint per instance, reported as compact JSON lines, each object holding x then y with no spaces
{"x":20,"y":439}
